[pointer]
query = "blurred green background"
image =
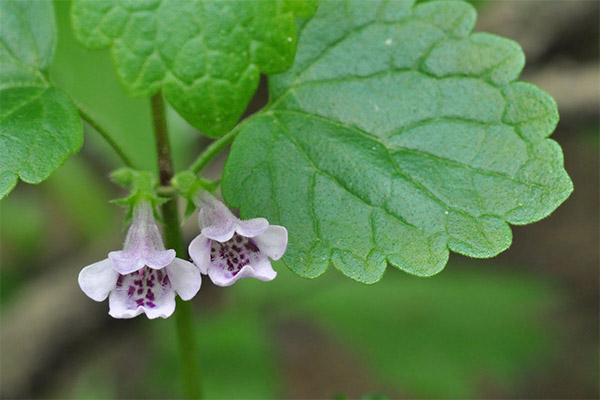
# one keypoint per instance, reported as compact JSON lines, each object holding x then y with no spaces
{"x":523,"y":325}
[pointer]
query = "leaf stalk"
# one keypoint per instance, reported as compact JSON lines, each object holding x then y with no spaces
{"x":88,"y":118}
{"x":216,"y":147}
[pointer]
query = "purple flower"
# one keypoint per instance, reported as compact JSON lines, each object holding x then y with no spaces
{"x":229,"y":249}
{"x":143,"y":277}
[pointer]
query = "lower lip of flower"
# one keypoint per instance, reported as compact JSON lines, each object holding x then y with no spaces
{"x":234,"y":254}
{"x":143,"y":287}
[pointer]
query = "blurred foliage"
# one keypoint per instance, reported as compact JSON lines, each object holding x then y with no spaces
{"x":22,"y":231}
{"x":442,"y":337}
{"x":83,"y":198}
{"x":236,"y":357}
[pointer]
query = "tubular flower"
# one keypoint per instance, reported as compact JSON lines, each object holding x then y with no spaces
{"x":143,"y":277}
{"x":229,"y":249}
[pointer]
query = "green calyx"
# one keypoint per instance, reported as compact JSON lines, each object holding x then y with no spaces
{"x":188,"y":185}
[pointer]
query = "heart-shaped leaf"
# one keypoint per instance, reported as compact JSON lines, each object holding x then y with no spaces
{"x":205,"y":56}
{"x":39,"y":124}
{"x":395,"y":137}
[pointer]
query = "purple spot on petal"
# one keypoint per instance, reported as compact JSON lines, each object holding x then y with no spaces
{"x":139,"y":302}
{"x":140,"y":291}
{"x":150,"y":304}
{"x":130,"y":291}
{"x":251,"y":247}
{"x":150,"y":295}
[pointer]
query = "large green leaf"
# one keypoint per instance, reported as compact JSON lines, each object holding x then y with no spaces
{"x":395,"y":137}
{"x":205,"y":56}
{"x":39,"y":124}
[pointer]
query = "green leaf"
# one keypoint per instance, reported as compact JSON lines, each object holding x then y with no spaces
{"x":206,"y":57}
{"x":39,"y":124}
{"x":395,"y":137}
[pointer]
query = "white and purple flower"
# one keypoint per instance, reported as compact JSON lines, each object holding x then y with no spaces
{"x":229,"y":249}
{"x":143,"y":277}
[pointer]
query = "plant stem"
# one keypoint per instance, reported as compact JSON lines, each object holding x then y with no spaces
{"x":215,"y":148}
{"x":174,"y":240}
{"x":87,"y":118}
{"x":161,"y":135}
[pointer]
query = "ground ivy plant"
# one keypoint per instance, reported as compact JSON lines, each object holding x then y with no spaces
{"x":393,"y":135}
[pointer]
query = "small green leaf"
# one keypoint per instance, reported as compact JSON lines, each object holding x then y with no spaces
{"x":395,"y":137}
{"x":206,"y":57}
{"x":39,"y":124}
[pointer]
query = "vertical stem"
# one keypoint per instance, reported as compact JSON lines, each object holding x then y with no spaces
{"x":174,"y":240}
{"x":161,"y":135}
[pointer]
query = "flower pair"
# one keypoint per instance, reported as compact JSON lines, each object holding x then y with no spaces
{"x":144,"y":276}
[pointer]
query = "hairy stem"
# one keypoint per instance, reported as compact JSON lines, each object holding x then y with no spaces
{"x":161,"y":136}
{"x":87,"y":118}
{"x":174,"y":240}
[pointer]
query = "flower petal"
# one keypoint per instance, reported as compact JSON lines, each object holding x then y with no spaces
{"x":118,"y":304}
{"x":252,"y":227}
{"x":164,"y":306}
{"x":98,"y":279}
{"x":143,"y":232}
{"x":158,"y":259}
{"x":220,"y":229}
{"x":260,"y":269}
{"x":185,"y":278}
{"x":147,"y":290}
{"x":215,"y":220}
{"x":272,"y":242}
{"x":200,"y":252}
{"x":126,"y":261}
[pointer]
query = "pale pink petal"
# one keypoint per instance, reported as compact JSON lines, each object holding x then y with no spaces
{"x":143,"y":232}
{"x":272,"y":242}
{"x":252,"y":227}
{"x":200,"y":252}
{"x":185,"y":278}
{"x":215,"y":220}
{"x":98,"y":279}
{"x":126,"y":261}
{"x":118,"y":304}
{"x":159,"y":259}
{"x":260,"y":268}
{"x":147,"y":290}
{"x":220,"y":230}
{"x":165,"y":305}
